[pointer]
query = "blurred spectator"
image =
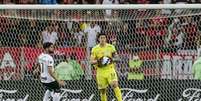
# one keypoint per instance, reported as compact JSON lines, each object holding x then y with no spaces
{"x":109,"y":12}
{"x":97,"y":1}
{"x":135,"y":68}
{"x":69,"y":69}
{"x":114,"y":41}
{"x":166,"y":1}
{"x":69,"y":25}
{"x":89,"y":1}
{"x":174,"y":24}
{"x":27,"y":1}
{"x":47,"y":1}
{"x":66,"y":1}
{"x":84,"y":25}
{"x":181,"y":1}
{"x":70,"y":1}
{"x":32,"y":33}
{"x":155,"y":1}
{"x":176,"y":35}
{"x":124,"y":36}
{"x":92,"y":31}
{"x":78,"y":35}
{"x":179,"y":38}
{"x":13,"y":34}
{"x":7,"y":1}
{"x":166,"y":11}
{"x":196,"y":1}
{"x":63,"y":38}
{"x":49,"y":35}
{"x":142,"y":1}
{"x":110,"y":2}
{"x":55,"y":26}
{"x":111,"y":31}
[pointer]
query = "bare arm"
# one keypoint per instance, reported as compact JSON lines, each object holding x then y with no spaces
{"x":52,"y":74}
{"x":93,"y":61}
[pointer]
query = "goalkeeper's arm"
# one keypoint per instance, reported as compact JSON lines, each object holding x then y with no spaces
{"x":93,"y":61}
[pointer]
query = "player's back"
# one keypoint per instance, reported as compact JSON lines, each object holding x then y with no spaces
{"x":46,"y":61}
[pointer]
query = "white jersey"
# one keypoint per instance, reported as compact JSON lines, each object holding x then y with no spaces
{"x":45,"y":61}
{"x":49,"y":37}
{"x":92,"y":33}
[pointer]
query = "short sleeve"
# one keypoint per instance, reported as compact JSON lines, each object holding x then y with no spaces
{"x":113,"y":49}
{"x":93,"y":53}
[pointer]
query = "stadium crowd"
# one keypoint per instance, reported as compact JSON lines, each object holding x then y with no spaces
{"x":97,"y":1}
{"x":162,"y":31}
{"x":127,"y":37}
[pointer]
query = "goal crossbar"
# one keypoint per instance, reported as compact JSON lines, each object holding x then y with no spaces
{"x":107,"y":6}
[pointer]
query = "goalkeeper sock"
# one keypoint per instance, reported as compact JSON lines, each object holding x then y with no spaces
{"x":103,"y":96}
{"x":46,"y":96}
{"x":117,"y":92}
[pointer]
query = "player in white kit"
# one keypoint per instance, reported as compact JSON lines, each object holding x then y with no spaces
{"x":47,"y":75}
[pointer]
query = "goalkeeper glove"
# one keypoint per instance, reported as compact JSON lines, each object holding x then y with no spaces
{"x":104,"y":61}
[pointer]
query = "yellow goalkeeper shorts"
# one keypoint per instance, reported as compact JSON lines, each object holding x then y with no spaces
{"x":105,"y":79}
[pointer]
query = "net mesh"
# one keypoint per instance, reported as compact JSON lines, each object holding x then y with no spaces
{"x":163,"y":43}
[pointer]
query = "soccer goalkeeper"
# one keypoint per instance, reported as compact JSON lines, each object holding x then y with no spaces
{"x":103,"y":57}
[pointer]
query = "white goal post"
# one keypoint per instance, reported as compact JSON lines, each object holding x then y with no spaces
{"x":107,"y":6}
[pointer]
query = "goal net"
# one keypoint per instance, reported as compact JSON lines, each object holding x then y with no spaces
{"x":157,"y":48}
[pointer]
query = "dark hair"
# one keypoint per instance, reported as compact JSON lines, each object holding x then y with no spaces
{"x":47,"y":45}
{"x":100,"y":34}
{"x":71,"y":56}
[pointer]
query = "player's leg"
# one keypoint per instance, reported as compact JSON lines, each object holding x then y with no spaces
{"x":56,"y":91}
{"x":113,"y":80}
{"x":117,"y":90}
{"x":47,"y":95}
{"x":102,"y":86}
{"x":56,"y":96}
{"x":47,"y":92}
{"x":103,"y":94}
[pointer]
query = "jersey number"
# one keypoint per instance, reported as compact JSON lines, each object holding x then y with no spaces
{"x":42,"y":67}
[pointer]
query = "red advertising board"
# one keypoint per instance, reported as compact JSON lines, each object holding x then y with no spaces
{"x":14,"y":61}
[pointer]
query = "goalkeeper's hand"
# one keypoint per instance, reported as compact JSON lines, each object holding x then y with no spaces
{"x":104,"y":61}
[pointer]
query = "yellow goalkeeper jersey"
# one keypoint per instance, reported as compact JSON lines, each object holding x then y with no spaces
{"x":98,"y":52}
